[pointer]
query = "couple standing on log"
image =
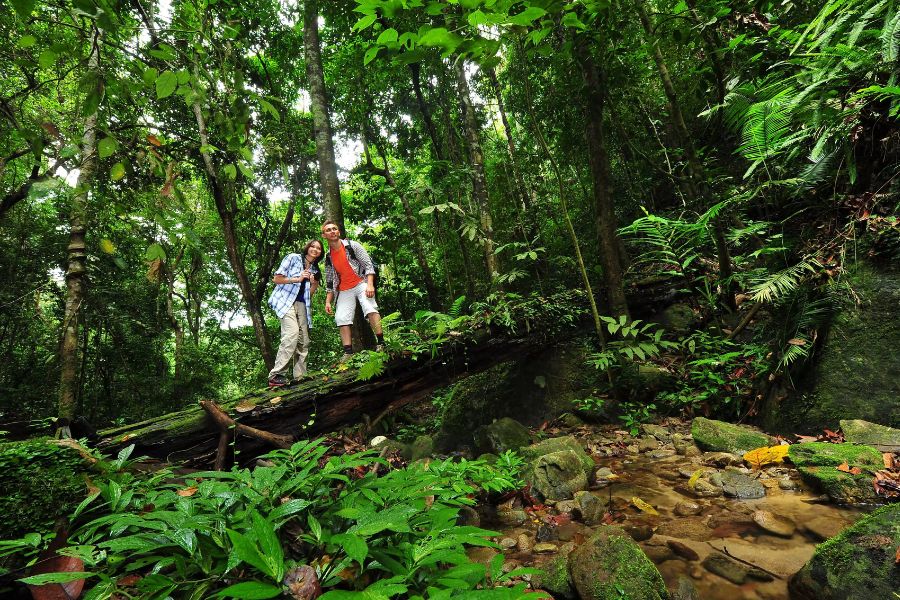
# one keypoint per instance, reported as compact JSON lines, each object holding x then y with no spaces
{"x":349,"y":279}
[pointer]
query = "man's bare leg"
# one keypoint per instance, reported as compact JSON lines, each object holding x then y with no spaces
{"x":375,"y":322}
{"x":345,"y":335}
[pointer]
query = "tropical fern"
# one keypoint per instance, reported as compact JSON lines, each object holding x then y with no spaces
{"x":783,"y":282}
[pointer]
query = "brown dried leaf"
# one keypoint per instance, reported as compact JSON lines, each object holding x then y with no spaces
{"x":51,"y":129}
{"x":154,"y":270}
{"x":797,"y":342}
{"x":187,"y":492}
{"x":888,"y":458}
{"x":245,"y":406}
{"x":848,"y":469}
{"x":275,"y":400}
{"x":154,"y":140}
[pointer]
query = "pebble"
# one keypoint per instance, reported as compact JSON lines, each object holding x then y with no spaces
{"x":687,"y":509}
{"x":774,"y":523}
{"x":567,"y":532}
{"x":739,"y":485}
{"x":511,"y":565}
{"x":523,"y":542}
{"x":639,"y":533}
{"x":683,"y":550}
{"x":824,"y":528}
{"x":544,"y":547}
{"x":659,"y":554}
{"x":507,"y":543}
{"x":696,"y":572}
{"x":725,"y":567}
{"x":565,"y":506}
{"x":692,"y":451}
{"x":661,"y":453}
{"x":512,"y":517}
{"x":545,"y":533}
{"x":788,"y":485}
{"x":722,"y":459}
{"x":647,"y":444}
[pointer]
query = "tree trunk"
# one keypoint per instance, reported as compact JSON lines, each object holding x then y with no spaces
{"x":331,"y":191}
{"x":604,"y":211}
{"x":479,"y":180}
{"x":251,"y":302}
{"x":698,"y":187}
{"x":76,"y":272}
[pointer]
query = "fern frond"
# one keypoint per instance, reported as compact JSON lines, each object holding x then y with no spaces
{"x":456,"y":307}
{"x":783,"y":282}
{"x":890,"y":37}
{"x":766,"y":127}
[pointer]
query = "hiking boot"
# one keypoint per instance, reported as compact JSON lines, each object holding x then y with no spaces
{"x":380,"y":348}
{"x":278,"y":381}
{"x":301,"y":379}
{"x":345,"y":358}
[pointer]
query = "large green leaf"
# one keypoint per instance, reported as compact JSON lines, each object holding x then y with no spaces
{"x":250,"y":590}
{"x":23,"y":8}
{"x":166,"y":83}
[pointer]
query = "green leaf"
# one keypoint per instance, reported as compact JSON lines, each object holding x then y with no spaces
{"x":155,"y":252}
{"x":248,"y":552}
{"x":354,"y":546}
{"x":150,"y":75}
{"x":571,"y":19}
{"x":47,"y":59}
{"x":270,"y":108}
{"x":365,"y":22}
{"x":230,"y":171}
{"x":387,"y":36}
{"x":106,"y":147}
{"x":117,"y":171}
{"x":370,"y":55}
{"x":166,"y":84}
{"x":314,"y":527}
{"x":250,"y":590}
{"x":26,"y":41}
{"x":46,"y":578}
{"x":24,"y":8}
{"x":528,"y":16}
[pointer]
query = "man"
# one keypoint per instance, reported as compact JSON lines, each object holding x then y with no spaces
{"x":296,"y":281}
{"x":349,"y":279}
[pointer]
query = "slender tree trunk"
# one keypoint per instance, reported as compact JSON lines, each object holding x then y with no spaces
{"x":697,"y":173}
{"x":331,"y":191}
{"x":479,"y":180}
{"x":76,"y":272}
{"x":603,"y":193}
{"x":251,"y":302}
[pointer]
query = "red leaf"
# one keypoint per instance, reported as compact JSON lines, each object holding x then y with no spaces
{"x":154,"y":140}
{"x":58,"y":591}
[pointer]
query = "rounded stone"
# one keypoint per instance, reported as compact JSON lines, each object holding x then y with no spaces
{"x":686,"y":508}
{"x":775,"y":523}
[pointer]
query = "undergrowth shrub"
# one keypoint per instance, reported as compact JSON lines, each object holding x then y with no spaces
{"x":363,"y":532}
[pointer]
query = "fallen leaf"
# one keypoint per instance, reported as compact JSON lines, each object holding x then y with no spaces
{"x":643,"y":506}
{"x":275,"y":400}
{"x":897,"y":557}
{"x":128,"y":580}
{"x":245,"y":406}
{"x":797,"y":342}
{"x":770,"y":455}
{"x":187,"y":492}
{"x":888,"y":460}
{"x":695,"y":476}
{"x":848,"y":469}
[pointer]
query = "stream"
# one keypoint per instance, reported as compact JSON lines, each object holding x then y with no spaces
{"x":727,"y":547}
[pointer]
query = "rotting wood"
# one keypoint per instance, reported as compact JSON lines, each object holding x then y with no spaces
{"x":225,"y":423}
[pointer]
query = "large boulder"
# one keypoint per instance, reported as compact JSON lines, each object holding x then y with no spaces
{"x":818,"y":464}
{"x":557,"y":467}
{"x":855,"y":375}
{"x":555,"y":579}
{"x":719,"y":436}
{"x":881,"y":437}
{"x":502,"y":435}
{"x":858,"y":564}
{"x":611,"y":565}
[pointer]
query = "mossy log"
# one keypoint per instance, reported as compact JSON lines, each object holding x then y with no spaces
{"x":314,"y":407}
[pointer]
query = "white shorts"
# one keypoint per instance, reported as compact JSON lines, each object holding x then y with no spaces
{"x":345,"y":307}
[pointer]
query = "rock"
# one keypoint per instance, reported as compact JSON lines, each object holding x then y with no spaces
{"x":489,"y":457}
{"x":722,"y":459}
{"x":502,"y":435}
{"x":661,"y":453}
{"x":738,"y":485}
{"x":377,"y":441}
{"x":468,"y":516}
{"x":566,"y":506}
{"x":689,"y":528}
{"x":639,"y":533}
{"x":683,"y":550}
{"x":590,"y":507}
{"x":523,"y":542}
{"x":880,"y":437}
{"x":774,"y":523}
{"x":647,"y":444}
{"x":686,"y":508}
{"x":855,"y":374}
{"x":659,"y":554}
{"x":702,"y":489}
{"x":545,"y":533}
{"x":858,"y":563}
{"x":511,"y":517}
{"x":507,"y":543}
{"x":555,"y":577}
{"x":570,"y":420}
{"x":824,"y":528}
{"x":726,"y":567}
{"x":686,"y":590}
{"x":818,"y":462}
{"x":557,"y":476}
{"x":557,"y":444}
{"x":719,"y":436}
{"x":604,"y":473}
{"x":780,"y":559}
{"x":422,"y":447}
{"x":611,"y":565}
{"x":652,"y":379}
{"x":481,"y":555}
{"x":567,"y":531}
{"x":788,"y":485}
{"x":679,"y":319}
{"x":692,"y":451}
{"x":544,"y":547}
{"x":658,"y":431}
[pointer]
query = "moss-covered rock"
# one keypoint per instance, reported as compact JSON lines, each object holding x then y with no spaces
{"x":422,"y":447}
{"x":881,"y":437}
{"x":557,"y":476}
{"x":719,"y":436}
{"x":855,"y":374}
{"x":41,"y":481}
{"x":555,"y":578}
{"x":502,"y":435}
{"x":557,"y":444}
{"x":610,"y":566}
{"x":818,"y":462}
{"x":858,"y":564}
{"x":679,"y":319}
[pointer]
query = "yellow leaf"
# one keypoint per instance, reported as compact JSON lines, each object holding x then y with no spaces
{"x":644,"y":506}
{"x":275,"y":400}
{"x":107,"y":246}
{"x":695,"y":476}
{"x":766,"y":456}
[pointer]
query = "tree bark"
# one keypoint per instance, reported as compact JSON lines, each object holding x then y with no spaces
{"x":76,"y":272}
{"x":479,"y":180}
{"x":331,"y":191}
{"x":605,"y":215}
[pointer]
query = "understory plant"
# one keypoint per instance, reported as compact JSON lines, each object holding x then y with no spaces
{"x":345,"y":524}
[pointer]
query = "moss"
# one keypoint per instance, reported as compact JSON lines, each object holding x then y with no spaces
{"x":859,"y":563}
{"x":558,"y":444}
{"x":832,"y":455}
{"x":41,"y":482}
{"x":555,"y":577}
{"x":840,"y":486}
{"x":719,"y":436}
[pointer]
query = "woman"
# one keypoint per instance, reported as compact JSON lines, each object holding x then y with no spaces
{"x":296,"y":280}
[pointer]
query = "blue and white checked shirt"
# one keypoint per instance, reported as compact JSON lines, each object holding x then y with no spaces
{"x":284,"y":295}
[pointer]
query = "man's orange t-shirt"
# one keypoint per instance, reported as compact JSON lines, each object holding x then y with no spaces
{"x":349,"y":278}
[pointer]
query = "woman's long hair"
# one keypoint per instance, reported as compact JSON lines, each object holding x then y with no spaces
{"x":318,"y":273}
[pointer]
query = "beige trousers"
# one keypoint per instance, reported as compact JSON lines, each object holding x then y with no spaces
{"x":294,"y":342}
